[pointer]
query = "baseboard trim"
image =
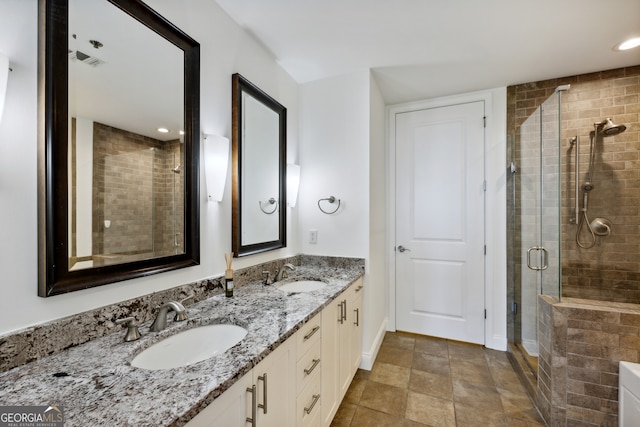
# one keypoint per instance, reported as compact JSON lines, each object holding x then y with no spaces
{"x":368,"y":357}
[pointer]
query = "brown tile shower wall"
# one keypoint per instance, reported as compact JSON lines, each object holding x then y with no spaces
{"x":609,"y":271}
{"x":581,"y":343}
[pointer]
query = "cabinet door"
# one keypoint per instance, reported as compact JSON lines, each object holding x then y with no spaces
{"x":275,"y":381}
{"x":356,"y":327}
{"x":230,"y":409}
{"x":330,"y":351}
{"x":345,"y":332}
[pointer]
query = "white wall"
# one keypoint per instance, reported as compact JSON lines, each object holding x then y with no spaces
{"x":375,"y":296}
{"x":342,"y":154}
{"x":225,"y":49}
{"x":334,"y":161}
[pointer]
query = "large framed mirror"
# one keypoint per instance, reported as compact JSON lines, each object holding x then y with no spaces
{"x":259,"y":152}
{"x":119,"y":99}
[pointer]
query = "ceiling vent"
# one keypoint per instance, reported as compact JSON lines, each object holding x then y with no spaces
{"x":76,"y":55}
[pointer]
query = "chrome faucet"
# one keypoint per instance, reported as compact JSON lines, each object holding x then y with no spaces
{"x":282,"y":273}
{"x":161,"y":319}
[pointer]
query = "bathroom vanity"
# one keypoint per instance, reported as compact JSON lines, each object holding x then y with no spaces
{"x":293,"y":367}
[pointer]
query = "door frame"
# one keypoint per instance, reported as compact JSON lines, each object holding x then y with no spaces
{"x":495,"y":206}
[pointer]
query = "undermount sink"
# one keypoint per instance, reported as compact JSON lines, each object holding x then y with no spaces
{"x":302,"y":286}
{"x":190,"y":346}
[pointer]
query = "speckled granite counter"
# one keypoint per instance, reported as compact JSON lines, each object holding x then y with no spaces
{"x":97,"y":386}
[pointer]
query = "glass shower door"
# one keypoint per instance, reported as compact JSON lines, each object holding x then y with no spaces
{"x":538,"y":211}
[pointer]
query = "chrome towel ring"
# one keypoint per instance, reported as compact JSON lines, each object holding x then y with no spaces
{"x":331,"y":200}
{"x":271,"y":201}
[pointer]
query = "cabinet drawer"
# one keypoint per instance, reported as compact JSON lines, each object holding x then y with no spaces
{"x":307,"y":366}
{"x":308,"y":335}
{"x":309,"y":402}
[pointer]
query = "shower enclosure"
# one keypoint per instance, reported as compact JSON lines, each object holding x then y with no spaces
{"x":535,"y":168}
{"x":574,"y":239}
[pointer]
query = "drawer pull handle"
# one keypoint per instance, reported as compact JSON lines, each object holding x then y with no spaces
{"x":357,"y":322}
{"x":313,"y":331}
{"x":316,"y":397}
{"x":312,"y":367}
{"x":263,"y":378}
{"x":254,"y":410}
{"x":359,"y":288}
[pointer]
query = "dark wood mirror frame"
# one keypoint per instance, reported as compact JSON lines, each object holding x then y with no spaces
{"x":54,"y":276}
{"x":241,"y":85}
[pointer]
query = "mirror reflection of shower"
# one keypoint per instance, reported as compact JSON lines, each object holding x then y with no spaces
{"x":599,"y":226}
{"x":176,"y":188}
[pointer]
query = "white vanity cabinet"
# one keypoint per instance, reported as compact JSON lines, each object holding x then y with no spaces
{"x":273,"y":382}
{"x":341,"y":347}
{"x":231,"y":408}
{"x":304,"y":379}
{"x":356,"y":327}
{"x":308,"y":369}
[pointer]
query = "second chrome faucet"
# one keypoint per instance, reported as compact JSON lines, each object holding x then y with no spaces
{"x":280,"y":274}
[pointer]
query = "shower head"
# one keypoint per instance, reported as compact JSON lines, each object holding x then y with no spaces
{"x":608,"y":128}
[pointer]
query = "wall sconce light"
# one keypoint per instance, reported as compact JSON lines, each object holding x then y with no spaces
{"x":216,"y":163}
{"x":293,"y":183}
{"x":4,"y":76}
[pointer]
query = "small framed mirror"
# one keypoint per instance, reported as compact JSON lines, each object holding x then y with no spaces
{"x":259,"y":151}
{"x":119,"y":137}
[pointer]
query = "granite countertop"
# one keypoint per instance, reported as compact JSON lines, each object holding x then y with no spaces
{"x":96,"y":384}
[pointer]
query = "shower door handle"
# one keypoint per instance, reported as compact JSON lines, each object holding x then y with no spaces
{"x":545,"y":258}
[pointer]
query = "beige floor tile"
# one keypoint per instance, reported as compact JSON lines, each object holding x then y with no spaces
{"x":506,"y":378}
{"x":484,"y":398}
{"x":497,"y":359}
{"x":384,"y":398}
{"x":471,"y":372}
{"x":400,"y":340}
{"x":430,"y":410}
{"x":390,"y":374}
{"x":365,"y":417}
{"x":517,"y":405}
{"x":422,"y":381}
{"x":434,"y":346}
{"x":344,"y":415}
{"x":362,"y":374}
{"x":431,"y":384}
{"x":427,"y":363}
{"x":395,"y":355}
{"x":354,"y":393}
{"x":467,"y":352}
{"x":515,"y":422}
{"x":469,"y":416}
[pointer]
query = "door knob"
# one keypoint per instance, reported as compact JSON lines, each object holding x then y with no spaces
{"x":402,"y":249}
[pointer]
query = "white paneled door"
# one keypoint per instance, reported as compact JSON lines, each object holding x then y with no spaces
{"x":440,"y":222}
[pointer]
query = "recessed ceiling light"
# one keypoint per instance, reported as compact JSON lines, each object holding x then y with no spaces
{"x":627,"y":44}
{"x":163,"y":130}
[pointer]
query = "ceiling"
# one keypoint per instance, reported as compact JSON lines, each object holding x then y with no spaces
{"x":420,"y":49}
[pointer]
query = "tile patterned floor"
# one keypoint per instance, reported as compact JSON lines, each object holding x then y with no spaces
{"x":424,"y":381}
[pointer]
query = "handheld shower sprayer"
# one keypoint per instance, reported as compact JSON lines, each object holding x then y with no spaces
{"x":599,"y":226}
